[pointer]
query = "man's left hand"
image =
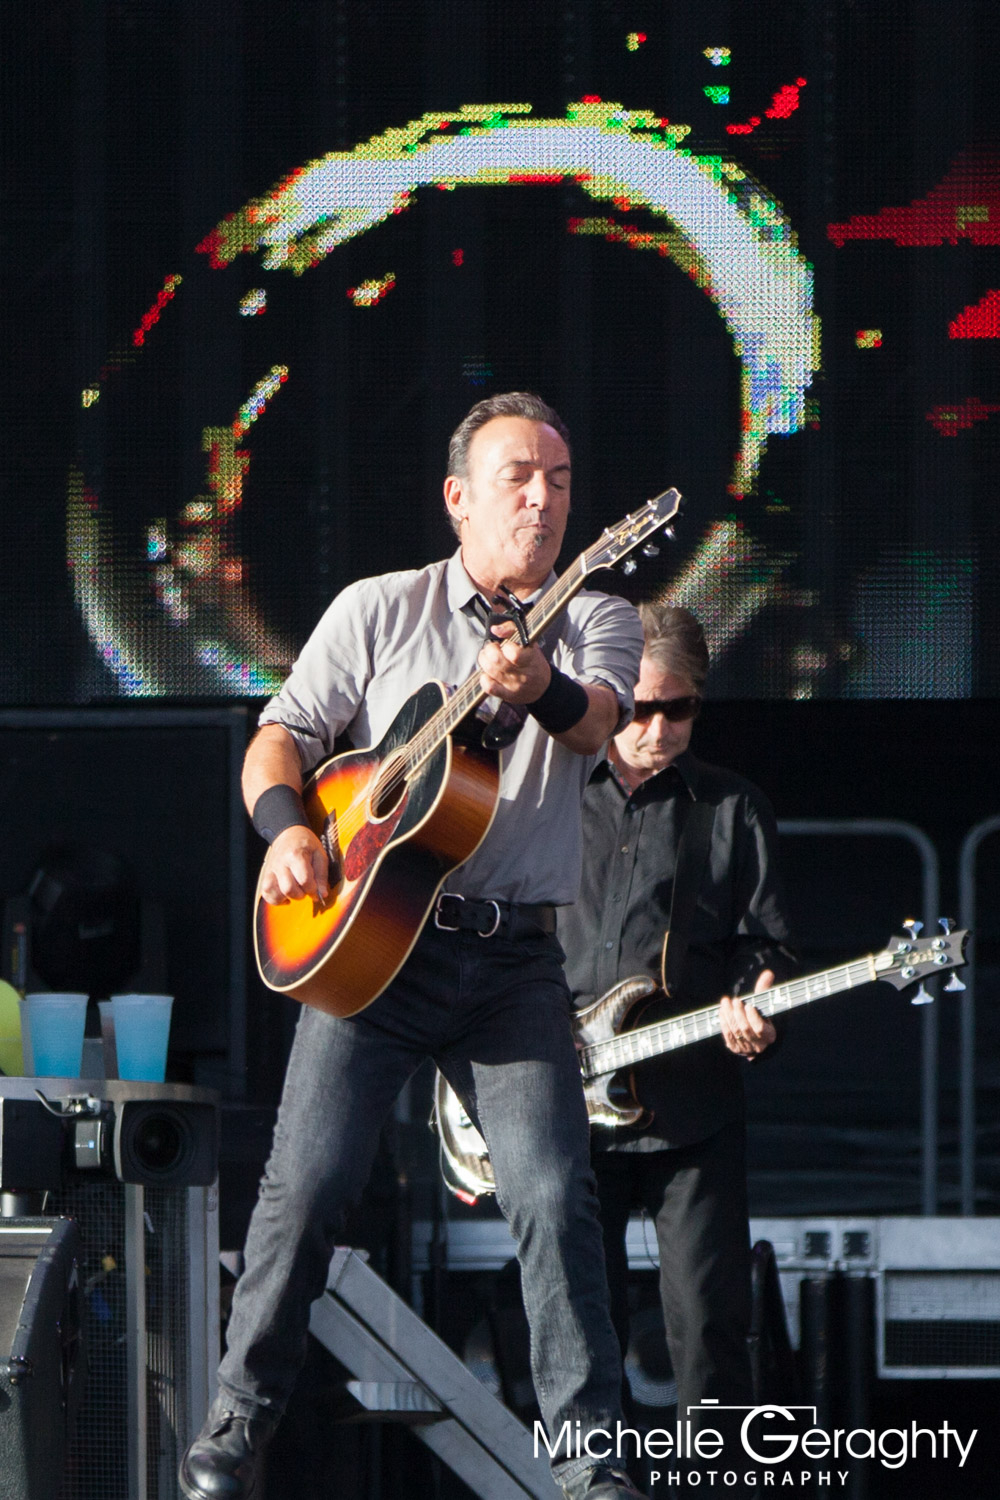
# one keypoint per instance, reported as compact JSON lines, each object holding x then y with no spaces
{"x":744,"y":1030}
{"x":516,"y":673}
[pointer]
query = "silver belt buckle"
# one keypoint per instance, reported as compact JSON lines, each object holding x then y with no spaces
{"x":454,"y":927}
{"x":496,"y":922}
{"x":449,"y":896}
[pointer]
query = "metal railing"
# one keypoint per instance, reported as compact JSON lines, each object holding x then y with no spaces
{"x":967,"y":898}
{"x":930,"y":897}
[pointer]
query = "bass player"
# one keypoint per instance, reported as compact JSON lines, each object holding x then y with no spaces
{"x":686,"y":1164}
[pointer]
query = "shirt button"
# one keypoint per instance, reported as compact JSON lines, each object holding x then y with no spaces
{"x":624,"y":848}
{"x":616,"y":898}
{"x":608,"y":945}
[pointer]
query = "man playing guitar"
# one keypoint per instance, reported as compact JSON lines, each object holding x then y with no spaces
{"x":482,"y":989}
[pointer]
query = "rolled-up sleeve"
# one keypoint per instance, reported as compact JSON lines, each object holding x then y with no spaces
{"x":326,"y":687}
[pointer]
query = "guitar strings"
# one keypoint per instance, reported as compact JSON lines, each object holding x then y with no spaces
{"x":428,"y":739}
{"x":696,"y":1025}
{"x":431,"y":735}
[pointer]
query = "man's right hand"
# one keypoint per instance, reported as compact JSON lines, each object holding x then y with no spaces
{"x":296,"y":866}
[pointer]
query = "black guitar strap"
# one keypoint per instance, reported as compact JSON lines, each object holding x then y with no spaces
{"x":692,"y":859}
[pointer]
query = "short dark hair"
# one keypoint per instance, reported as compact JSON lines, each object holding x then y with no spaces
{"x":675,"y":641}
{"x":507,"y":404}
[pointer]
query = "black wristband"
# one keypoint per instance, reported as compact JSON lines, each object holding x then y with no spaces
{"x":278,"y":808}
{"x":562,"y":705}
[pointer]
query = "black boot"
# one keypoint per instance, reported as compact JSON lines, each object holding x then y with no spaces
{"x":224,"y":1461}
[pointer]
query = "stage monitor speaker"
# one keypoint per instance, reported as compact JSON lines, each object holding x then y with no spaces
{"x":937,"y":1286}
{"x":41,"y":1353}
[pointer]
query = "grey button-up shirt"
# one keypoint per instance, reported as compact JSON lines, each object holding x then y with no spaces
{"x":382,"y":638}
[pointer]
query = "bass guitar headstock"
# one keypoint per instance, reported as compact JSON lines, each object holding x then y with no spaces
{"x":910,"y":958}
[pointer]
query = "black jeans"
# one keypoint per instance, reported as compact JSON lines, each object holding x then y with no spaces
{"x":494,"y":1015}
{"x":696,"y":1197}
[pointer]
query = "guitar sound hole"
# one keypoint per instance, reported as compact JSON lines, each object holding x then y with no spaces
{"x":388,"y":789}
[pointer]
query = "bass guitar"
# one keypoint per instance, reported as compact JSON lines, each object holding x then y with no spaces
{"x":396,"y":819}
{"x":608,"y":1051}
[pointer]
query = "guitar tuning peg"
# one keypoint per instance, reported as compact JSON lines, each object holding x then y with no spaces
{"x":954,"y":983}
{"x":650,"y":550}
{"x":913,"y":927}
{"x":670,"y":532}
{"x":629,"y":565}
{"x":923,"y":996}
{"x":946,"y":924}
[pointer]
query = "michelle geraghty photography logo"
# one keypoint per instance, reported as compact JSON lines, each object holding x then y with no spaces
{"x":770,"y":1437}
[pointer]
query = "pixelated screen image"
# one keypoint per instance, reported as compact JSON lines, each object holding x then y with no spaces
{"x":260,"y":259}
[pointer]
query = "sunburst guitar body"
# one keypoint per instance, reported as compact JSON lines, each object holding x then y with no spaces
{"x":391,"y":834}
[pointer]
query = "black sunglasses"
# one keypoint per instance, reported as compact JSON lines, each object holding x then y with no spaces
{"x":675,"y":710}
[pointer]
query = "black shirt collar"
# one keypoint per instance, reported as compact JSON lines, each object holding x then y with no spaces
{"x":684,"y":768}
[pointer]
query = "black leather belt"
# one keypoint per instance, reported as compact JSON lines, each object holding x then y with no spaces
{"x":509,"y":919}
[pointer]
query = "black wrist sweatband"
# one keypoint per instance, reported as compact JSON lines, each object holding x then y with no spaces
{"x":278,"y":808}
{"x":562,"y":705}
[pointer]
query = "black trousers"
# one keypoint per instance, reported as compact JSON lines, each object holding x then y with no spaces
{"x":696,"y":1196}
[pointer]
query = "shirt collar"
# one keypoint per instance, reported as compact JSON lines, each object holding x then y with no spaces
{"x":461,"y":590}
{"x":686,"y":767}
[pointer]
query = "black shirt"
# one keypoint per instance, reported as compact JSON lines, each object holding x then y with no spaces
{"x":617,"y":926}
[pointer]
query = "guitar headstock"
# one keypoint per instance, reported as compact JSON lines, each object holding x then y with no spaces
{"x":617,"y":542}
{"x":910,"y":958}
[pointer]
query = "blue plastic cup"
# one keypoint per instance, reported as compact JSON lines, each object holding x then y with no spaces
{"x":56,"y":1022}
{"x":142,"y":1029}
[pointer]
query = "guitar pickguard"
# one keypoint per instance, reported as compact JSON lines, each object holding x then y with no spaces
{"x":369,"y":841}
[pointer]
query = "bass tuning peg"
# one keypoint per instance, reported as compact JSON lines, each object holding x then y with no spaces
{"x":913,"y":927}
{"x":954,"y":983}
{"x":946,"y":925}
{"x":923,"y":996}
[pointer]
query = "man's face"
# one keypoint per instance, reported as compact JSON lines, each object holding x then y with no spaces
{"x":513,"y":503}
{"x":650,"y":745}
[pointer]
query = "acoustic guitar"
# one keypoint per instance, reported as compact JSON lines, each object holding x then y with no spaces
{"x":396,"y":819}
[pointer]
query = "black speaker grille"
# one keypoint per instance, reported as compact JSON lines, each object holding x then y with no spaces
{"x":97,"y":1466}
{"x":968,"y":1343}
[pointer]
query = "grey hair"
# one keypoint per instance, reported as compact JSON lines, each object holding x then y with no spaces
{"x":676,"y":642}
{"x":506,"y":404}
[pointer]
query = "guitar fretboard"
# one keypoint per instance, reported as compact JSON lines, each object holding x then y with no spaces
{"x":631,"y":1047}
{"x":470,"y":694}
{"x":615,"y":543}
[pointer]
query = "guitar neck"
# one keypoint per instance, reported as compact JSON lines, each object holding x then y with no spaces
{"x":631,"y":1047}
{"x":469,"y":696}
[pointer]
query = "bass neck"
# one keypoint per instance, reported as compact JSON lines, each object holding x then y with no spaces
{"x":630,"y":1047}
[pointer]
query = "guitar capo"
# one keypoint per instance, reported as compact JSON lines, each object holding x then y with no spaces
{"x":512,"y":613}
{"x":508,"y":718}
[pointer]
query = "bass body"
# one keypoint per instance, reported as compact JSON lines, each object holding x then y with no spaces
{"x":392,"y":832}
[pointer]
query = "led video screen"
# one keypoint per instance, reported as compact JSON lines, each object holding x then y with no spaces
{"x":261,"y":258}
